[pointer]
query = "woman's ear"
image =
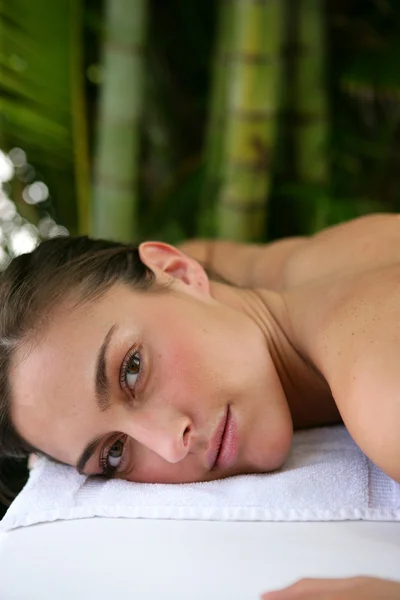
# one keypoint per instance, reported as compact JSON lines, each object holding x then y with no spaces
{"x":164,"y":259}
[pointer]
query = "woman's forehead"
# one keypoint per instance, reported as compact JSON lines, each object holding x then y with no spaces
{"x":61,"y":352}
{"x":77,"y":310}
{"x":52,"y":384}
{"x":120,"y":298}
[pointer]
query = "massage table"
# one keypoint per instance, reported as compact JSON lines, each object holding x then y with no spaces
{"x":146,"y":559}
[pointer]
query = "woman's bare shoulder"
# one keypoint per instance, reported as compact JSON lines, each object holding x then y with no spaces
{"x":363,"y":243}
{"x":349,"y":328}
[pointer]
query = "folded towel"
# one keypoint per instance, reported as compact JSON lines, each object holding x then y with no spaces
{"x":326,"y":478}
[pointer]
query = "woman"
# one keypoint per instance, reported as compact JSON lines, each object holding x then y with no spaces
{"x":135,"y":364}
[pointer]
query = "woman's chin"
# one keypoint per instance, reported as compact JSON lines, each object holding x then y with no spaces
{"x":271,"y":456}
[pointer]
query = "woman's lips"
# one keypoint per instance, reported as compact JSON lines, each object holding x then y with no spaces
{"x":224,"y":443}
{"x":230,"y":443}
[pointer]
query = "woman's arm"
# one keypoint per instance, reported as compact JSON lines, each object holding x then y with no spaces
{"x":245,"y":265}
{"x":351,"y":588}
{"x":364,"y":243}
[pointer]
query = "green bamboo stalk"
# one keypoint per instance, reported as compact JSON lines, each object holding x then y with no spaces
{"x":214,"y":145}
{"x":78,"y":116}
{"x":311,"y":137}
{"x":251,"y":119}
{"x":116,"y":161}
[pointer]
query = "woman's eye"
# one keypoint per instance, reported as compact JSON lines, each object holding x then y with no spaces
{"x":115,"y":454}
{"x":113,"y":458}
{"x":132,"y":371}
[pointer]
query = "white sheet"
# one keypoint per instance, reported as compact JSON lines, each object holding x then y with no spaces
{"x":138,"y":559}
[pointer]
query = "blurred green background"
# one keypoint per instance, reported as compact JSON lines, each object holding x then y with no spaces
{"x":169,"y":119}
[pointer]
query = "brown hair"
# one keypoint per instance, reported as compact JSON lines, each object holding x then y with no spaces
{"x":33,"y":284}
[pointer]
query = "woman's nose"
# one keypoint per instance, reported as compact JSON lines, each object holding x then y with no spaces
{"x":166,"y":434}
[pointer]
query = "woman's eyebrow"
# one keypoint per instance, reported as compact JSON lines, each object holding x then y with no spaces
{"x":101,"y":384}
{"x":102,"y":388}
{"x":87,"y":454}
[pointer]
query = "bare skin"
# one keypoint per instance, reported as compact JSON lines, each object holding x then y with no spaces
{"x":351,"y":588}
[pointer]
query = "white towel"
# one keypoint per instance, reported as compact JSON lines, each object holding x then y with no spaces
{"x":326,"y":478}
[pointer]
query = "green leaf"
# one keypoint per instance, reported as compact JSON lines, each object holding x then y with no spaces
{"x":39,"y":86}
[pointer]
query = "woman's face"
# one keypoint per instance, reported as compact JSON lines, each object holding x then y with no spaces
{"x":167,"y":386}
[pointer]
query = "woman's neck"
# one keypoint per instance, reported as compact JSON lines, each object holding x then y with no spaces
{"x":307,"y":392}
